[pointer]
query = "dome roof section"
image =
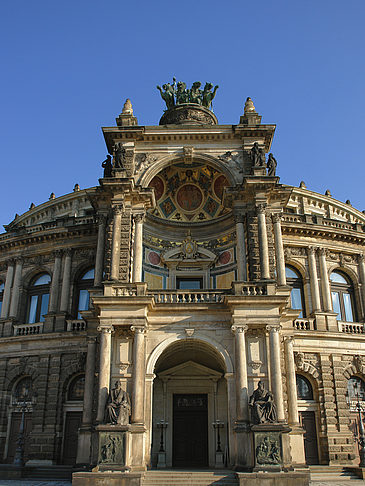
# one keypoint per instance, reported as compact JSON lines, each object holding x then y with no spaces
{"x":189,"y":192}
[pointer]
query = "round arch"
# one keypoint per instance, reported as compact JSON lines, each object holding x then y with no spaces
{"x":157,"y":167}
{"x":160,"y":348}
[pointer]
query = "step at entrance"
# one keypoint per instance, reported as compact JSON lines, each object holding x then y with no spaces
{"x":332,"y":474}
{"x":190,"y":478}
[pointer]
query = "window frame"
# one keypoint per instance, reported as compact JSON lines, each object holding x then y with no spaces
{"x":39,"y":291}
{"x":296,"y":283}
{"x":80,"y":285}
{"x":342,"y":289}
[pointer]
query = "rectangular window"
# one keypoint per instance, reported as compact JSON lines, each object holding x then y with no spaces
{"x":44,"y":307}
{"x":296,"y":300}
{"x":336,"y":304}
{"x":84,"y":297}
{"x":189,"y":283}
{"x":33,"y":309}
{"x":348,"y":307}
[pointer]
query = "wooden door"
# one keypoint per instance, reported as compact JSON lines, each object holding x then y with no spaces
{"x":190,"y":431}
{"x":308,"y":422}
{"x":72,"y":425}
{"x":14,"y":434}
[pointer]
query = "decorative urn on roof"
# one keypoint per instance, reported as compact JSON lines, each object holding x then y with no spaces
{"x":188,"y":106}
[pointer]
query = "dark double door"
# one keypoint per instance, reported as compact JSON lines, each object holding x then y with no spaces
{"x":308,"y":422}
{"x":190,"y":431}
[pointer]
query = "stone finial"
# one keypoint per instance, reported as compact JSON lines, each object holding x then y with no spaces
{"x":302,"y":185}
{"x":328,"y":193}
{"x":348,"y":202}
{"x":127,"y":108}
{"x":76,"y":188}
{"x":52,"y":196}
{"x":249,"y":107}
{"x":32,"y":206}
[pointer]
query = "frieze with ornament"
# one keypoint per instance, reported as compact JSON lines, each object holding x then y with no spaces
{"x":189,"y":192}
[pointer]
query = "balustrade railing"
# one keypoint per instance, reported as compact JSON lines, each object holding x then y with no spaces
{"x":305,"y":324}
{"x":351,"y":327}
{"x":187,"y":297}
{"x":28,"y":329}
{"x":75,"y":325}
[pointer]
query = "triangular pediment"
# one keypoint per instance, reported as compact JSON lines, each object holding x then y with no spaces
{"x":190,"y":369}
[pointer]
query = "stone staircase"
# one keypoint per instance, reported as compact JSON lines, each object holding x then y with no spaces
{"x":190,"y":478}
{"x":332,"y":474}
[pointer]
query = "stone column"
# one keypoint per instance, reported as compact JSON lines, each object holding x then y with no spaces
{"x":241,"y":373}
{"x":279,"y":250}
{"x":293,"y":417}
{"x":316,"y":302}
{"x":55,"y":282}
{"x":240,"y":248}
{"x":117,"y":226}
{"x":7,"y":290}
{"x":104,"y":369}
{"x":84,"y":439}
{"x":263,"y":244}
{"x":66,"y":281}
{"x":16,"y":288}
{"x":326,"y":290}
{"x":362,"y":277}
{"x":138,"y":248}
{"x":276,"y":379}
{"x":99,"y":259}
{"x":138,"y":374}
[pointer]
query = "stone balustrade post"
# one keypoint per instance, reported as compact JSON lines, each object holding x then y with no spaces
{"x":7,"y":289}
{"x":240,"y":248}
{"x":275,"y":365}
{"x":313,"y":275}
{"x":279,"y":250}
{"x":66,"y":281}
{"x":241,"y":373}
{"x":53,"y":298}
{"x":326,"y":289}
{"x":16,"y":288}
{"x":99,"y":258}
{"x":117,"y":226}
{"x":138,"y":374}
{"x":104,"y":369}
{"x":138,"y":248}
{"x":293,"y":416}
{"x":263,"y":243}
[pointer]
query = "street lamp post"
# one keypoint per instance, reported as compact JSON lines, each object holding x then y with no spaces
{"x":19,"y":451}
{"x":161,"y":463}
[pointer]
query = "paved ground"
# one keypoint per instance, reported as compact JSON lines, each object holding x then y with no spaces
{"x":28,"y":482}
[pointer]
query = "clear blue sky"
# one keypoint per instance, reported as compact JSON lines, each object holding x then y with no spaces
{"x":68,"y":66}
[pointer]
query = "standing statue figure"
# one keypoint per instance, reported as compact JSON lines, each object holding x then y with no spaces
{"x":262,"y":158}
{"x":118,"y":408}
{"x":168,"y":94}
{"x":195,"y":95}
{"x":119,"y":153}
{"x":208,"y":95}
{"x":271,"y":165}
{"x":107,"y":166}
{"x":263,"y":408}
{"x":182,"y":94}
{"x":255,"y":155}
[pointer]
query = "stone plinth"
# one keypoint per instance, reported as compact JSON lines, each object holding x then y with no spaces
{"x":109,"y":478}
{"x":291,"y":478}
{"x":188,"y":114}
{"x":271,"y":449}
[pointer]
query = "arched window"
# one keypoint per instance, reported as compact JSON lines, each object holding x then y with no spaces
{"x":342,"y":296}
{"x":294,"y":280}
{"x":85,"y":282}
{"x":22,"y":391}
{"x":2,"y":287}
{"x":304,"y":388}
{"x":355,"y":389}
{"x":38,"y":298}
{"x":76,"y":388}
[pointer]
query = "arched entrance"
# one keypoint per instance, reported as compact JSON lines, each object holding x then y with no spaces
{"x":189,"y":400}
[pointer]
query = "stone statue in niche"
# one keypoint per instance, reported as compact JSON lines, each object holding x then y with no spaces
{"x":107,"y":166}
{"x":263,"y":408}
{"x":118,"y":407}
{"x":119,"y":154}
{"x":271,"y":165}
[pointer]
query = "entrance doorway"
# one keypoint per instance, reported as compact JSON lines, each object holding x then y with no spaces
{"x":190,"y":430}
{"x":72,"y":425}
{"x":308,"y":422}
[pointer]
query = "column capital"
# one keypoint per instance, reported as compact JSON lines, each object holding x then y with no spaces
{"x":239,"y":328}
{"x":273,"y":327}
{"x":68,"y":252}
{"x":361,"y":258}
{"x":289,"y":340}
{"x":101,"y":219}
{"x":238,"y":216}
{"x":139,"y":217}
{"x":19,"y":260}
{"x":139,"y":329}
{"x":105,"y":329}
{"x":57,"y":253}
{"x":276,"y":217}
{"x":322,"y":251}
{"x":261,"y":208}
{"x":11,"y":262}
{"x":118,"y":209}
{"x":311,"y":250}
